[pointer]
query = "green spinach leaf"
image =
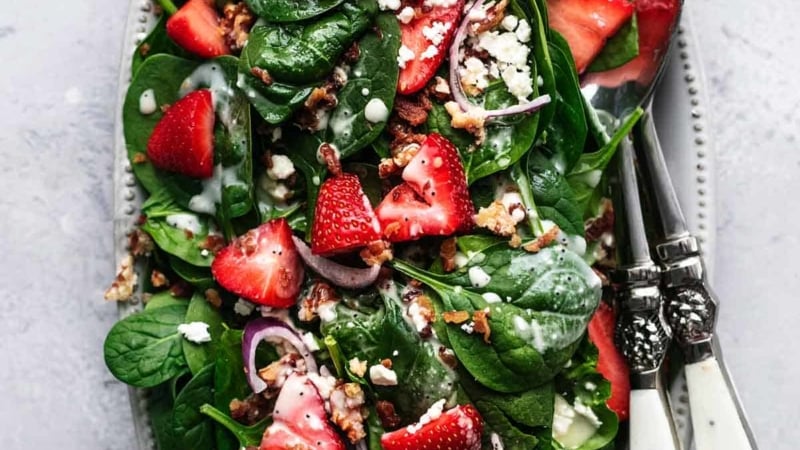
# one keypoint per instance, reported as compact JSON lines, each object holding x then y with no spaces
{"x":144,"y":349}
{"x":553,"y":195}
{"x":291,"y":10}
{"x":155,"y":43}
{"x":192,"y":429}
{"x":159,"y":410}
{"x":197,"y":276}
{"x":199,"y":356}
{"x":248,"y":436}
{"x":621,"y":48}
{"x":165,"y":298}
{"x":303,"y":153}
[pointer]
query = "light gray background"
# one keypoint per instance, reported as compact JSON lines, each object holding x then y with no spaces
{"x":58,"y":80}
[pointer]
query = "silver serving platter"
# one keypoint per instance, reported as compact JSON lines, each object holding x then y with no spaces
{"x":679,"y":116}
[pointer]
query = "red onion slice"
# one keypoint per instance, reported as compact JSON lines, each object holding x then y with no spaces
{"x":343,"y":276}
{"x":455,"y":84}
{"x":270,"y":330}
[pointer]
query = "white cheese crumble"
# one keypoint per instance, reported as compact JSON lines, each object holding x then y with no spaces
{"x":357,"y":367}
{"x":510,"y":53}
{"x":509,"y":22}
{"x":404,"y":56}
{"x":440,"y":3}
{"x":282,"y":167}
{"x":147,"y":102}
{"x":376,"y":111}
{"x":433,"y":413}
{"x":388,"y":4}
{"x":474,"y":73}
{"x":436,"y":32}
{"x":414,"y":313}
{"x":406,"y":15}
{"x":381,"y":376}
{"x":468,"y":327}
{"x":243,"y":308}
{"x":513,"y":203}
{"x":518,"y":82}
{"x":478,"y":277}
{"x":523,"y":31}
{"x":429,"y":53}
{"x":196,"y":332}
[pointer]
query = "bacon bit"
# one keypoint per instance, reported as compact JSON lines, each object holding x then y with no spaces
{"x":482,"y":324}
{"x":262,"y":75}
{"x":320,"y":293}
{"x":542,"y":241}
{"x":496,"y":219}
{"x":180,"y":289}
{"x":213,"y":243}
{"x":331,"y":159}
{"x":213,"y":298}
{"x":387,"y":363}
{"x":236,"y":23}
{"x":413,"y":109}
{"x":158,"y":279}
{"x":386,"y":413}
{"x":448,"y":357}
{"x":140,"y":243}
{"x":456,"y":317}
{"x":472,"y":121}
{"x":447,"y":252}
{"x":377,"y":252}
{"x":122,"y":287}
{"x":139,"y":158}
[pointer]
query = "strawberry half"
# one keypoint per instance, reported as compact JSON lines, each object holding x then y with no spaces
{"x":343,"y":218}
{"x":440,"y":23}
{"x":433,"y":201}
{"x":183,"y":140}
{"x":195,"y":27}
{"x":300,"y":420}
{"x":587,"y":24}
{"x":262,"y":266}
{"x":457,"y":429}
{"x":610,"y":362}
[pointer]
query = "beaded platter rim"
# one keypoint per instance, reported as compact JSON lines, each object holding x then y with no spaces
{"x":680,"y":119}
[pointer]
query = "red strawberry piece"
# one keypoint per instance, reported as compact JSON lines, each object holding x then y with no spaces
{"x":183,"y":140}
{"x":343,"y":218}
{"x":262,"y":265}
{"x":457,"y":429}
{"x":300,"y":420}
{"x":440,"y":23}
{"x":610,"y":362}
{"x":587,"y":24}
{"x":433,"y":201}
{"x":195,"y":27}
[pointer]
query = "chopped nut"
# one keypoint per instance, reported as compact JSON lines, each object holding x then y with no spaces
{"x":386,"y":363}
{"x":319,"y":294}
{"x":448,"y":357}
{"x":253,"y":409}
{"x":236,"y":23}
{"x":482,"y":324}
{"x":125,"y":282}
{"x":331,"y":158}
{"x":472,"y":121}
{"x":139,"y":158}
{"x":213,"y":243}
{"x":456,"y":317}
{"x":542,"y":241}
{"x":596,"y":227}
{"x":180,"y":288}
{"x":213,"y":298}
{"x":494,"y":15}
{"x":447,"y":252}
{"x":496,"y":219}
{"x":352,"y":54}
{"x":164,"y":107}
{"x":262,"y":75}
{"x":387,"y":168}
{"x":278,"y":371}
{"x":347,"y":410}
{"x":413,"y":109}
{"x":357,"y":367}
{"x":158,"y":279}
{"x":144,"y":49}
{"x":386,"y":413}
{"x":141,"y":244}
{"x":515,"y":241}
{"x":377,"y":252}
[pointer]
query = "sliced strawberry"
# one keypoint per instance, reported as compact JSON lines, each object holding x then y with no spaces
{"x":343,"y":218}
{"x":183,"y":140}
{"x":457,"y":429}
{"x":587,"y":24}
{"x":610,"y":362}
{"x":440,"y":23}
{"x":300,"y":420}
{"x":433,"y":201}
{"x":195,"y":27}
{"x":262,"y":265}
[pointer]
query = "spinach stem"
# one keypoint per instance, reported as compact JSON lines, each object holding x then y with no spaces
{"x":247,"y":436}
{"x":168,"y":6}
{"x":520,"y":176}
{"x":336,"y":355}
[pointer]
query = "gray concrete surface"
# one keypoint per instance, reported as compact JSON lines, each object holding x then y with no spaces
{"x":58,"y":74}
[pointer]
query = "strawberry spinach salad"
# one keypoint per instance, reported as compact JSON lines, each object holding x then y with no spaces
{"x":373,"y":224}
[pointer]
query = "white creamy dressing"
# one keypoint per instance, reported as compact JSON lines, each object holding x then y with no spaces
{"x":376,"y":111}
{"x":478,"y":277}
{"x":341,"y":122}
{"x":147,"y":102}
{"x":185,"y":221}
{"x":573,"y":425}
{"x":206,"y":201}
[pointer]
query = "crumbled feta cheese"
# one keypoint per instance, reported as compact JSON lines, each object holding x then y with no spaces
{"x":474,"y":73}
{"x":436,"y":32}
{"x":381,"y":376}
{"x":275,"y":189}
{"x":376,"y":111}
{"x":243,"y":308}
{"x":441,"y":3}
{"x":388,"y":4}
{"x":519,"y":84}
{"x":441,"y":86}
{"x":406,"y":15}
{"x":494,"y":70}
{"x":357,"y":367}
{"x":196,"y":332}
{"x":523,"y":31}
{"x":433,"y":413}
{"x":405,"y":55}
{"x":478,"y":277}
{"x":513,"y":203}
{"x":504,"y":47}
{"x":477,"y":14}
{"x":573,"y":425}
{"x":282,"y":167}
{"x":468,"y":327}
{"x":509,"y":22}
{"x":277,"y":133}
{"x":311,"y":342}
{"x":147,"y":102}
{"x":417,"y":317}
{"x":429,"y":53}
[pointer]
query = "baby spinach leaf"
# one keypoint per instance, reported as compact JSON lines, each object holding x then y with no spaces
{"x":548,"y":297}
{"x":496,"y":422}
{"x":621,"y":48}
{"x":291,"y":10}
{"x":566,"y":132}
{"x":585,"y":176}
{"x":197,"y":276}
{"x":248,"y":436}
{"x":200,"y":355}
{"x":155,"y":43}
{"x":178,"y":232}
{"x":552,"y":194}
{"x":228,"y":193}
{"x":375,"y":73}
{"x":229,"y":380}
{"x":193,"y":429}
{"x":303,"y":153}
{"x":159,"y":410}
{"x":536,"y":12}
{"x":144,"y":349}
{"x":165,"y":298}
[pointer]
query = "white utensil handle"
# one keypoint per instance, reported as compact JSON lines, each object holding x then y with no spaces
{"x":650,"y":427}
{"x":716,"y":421}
